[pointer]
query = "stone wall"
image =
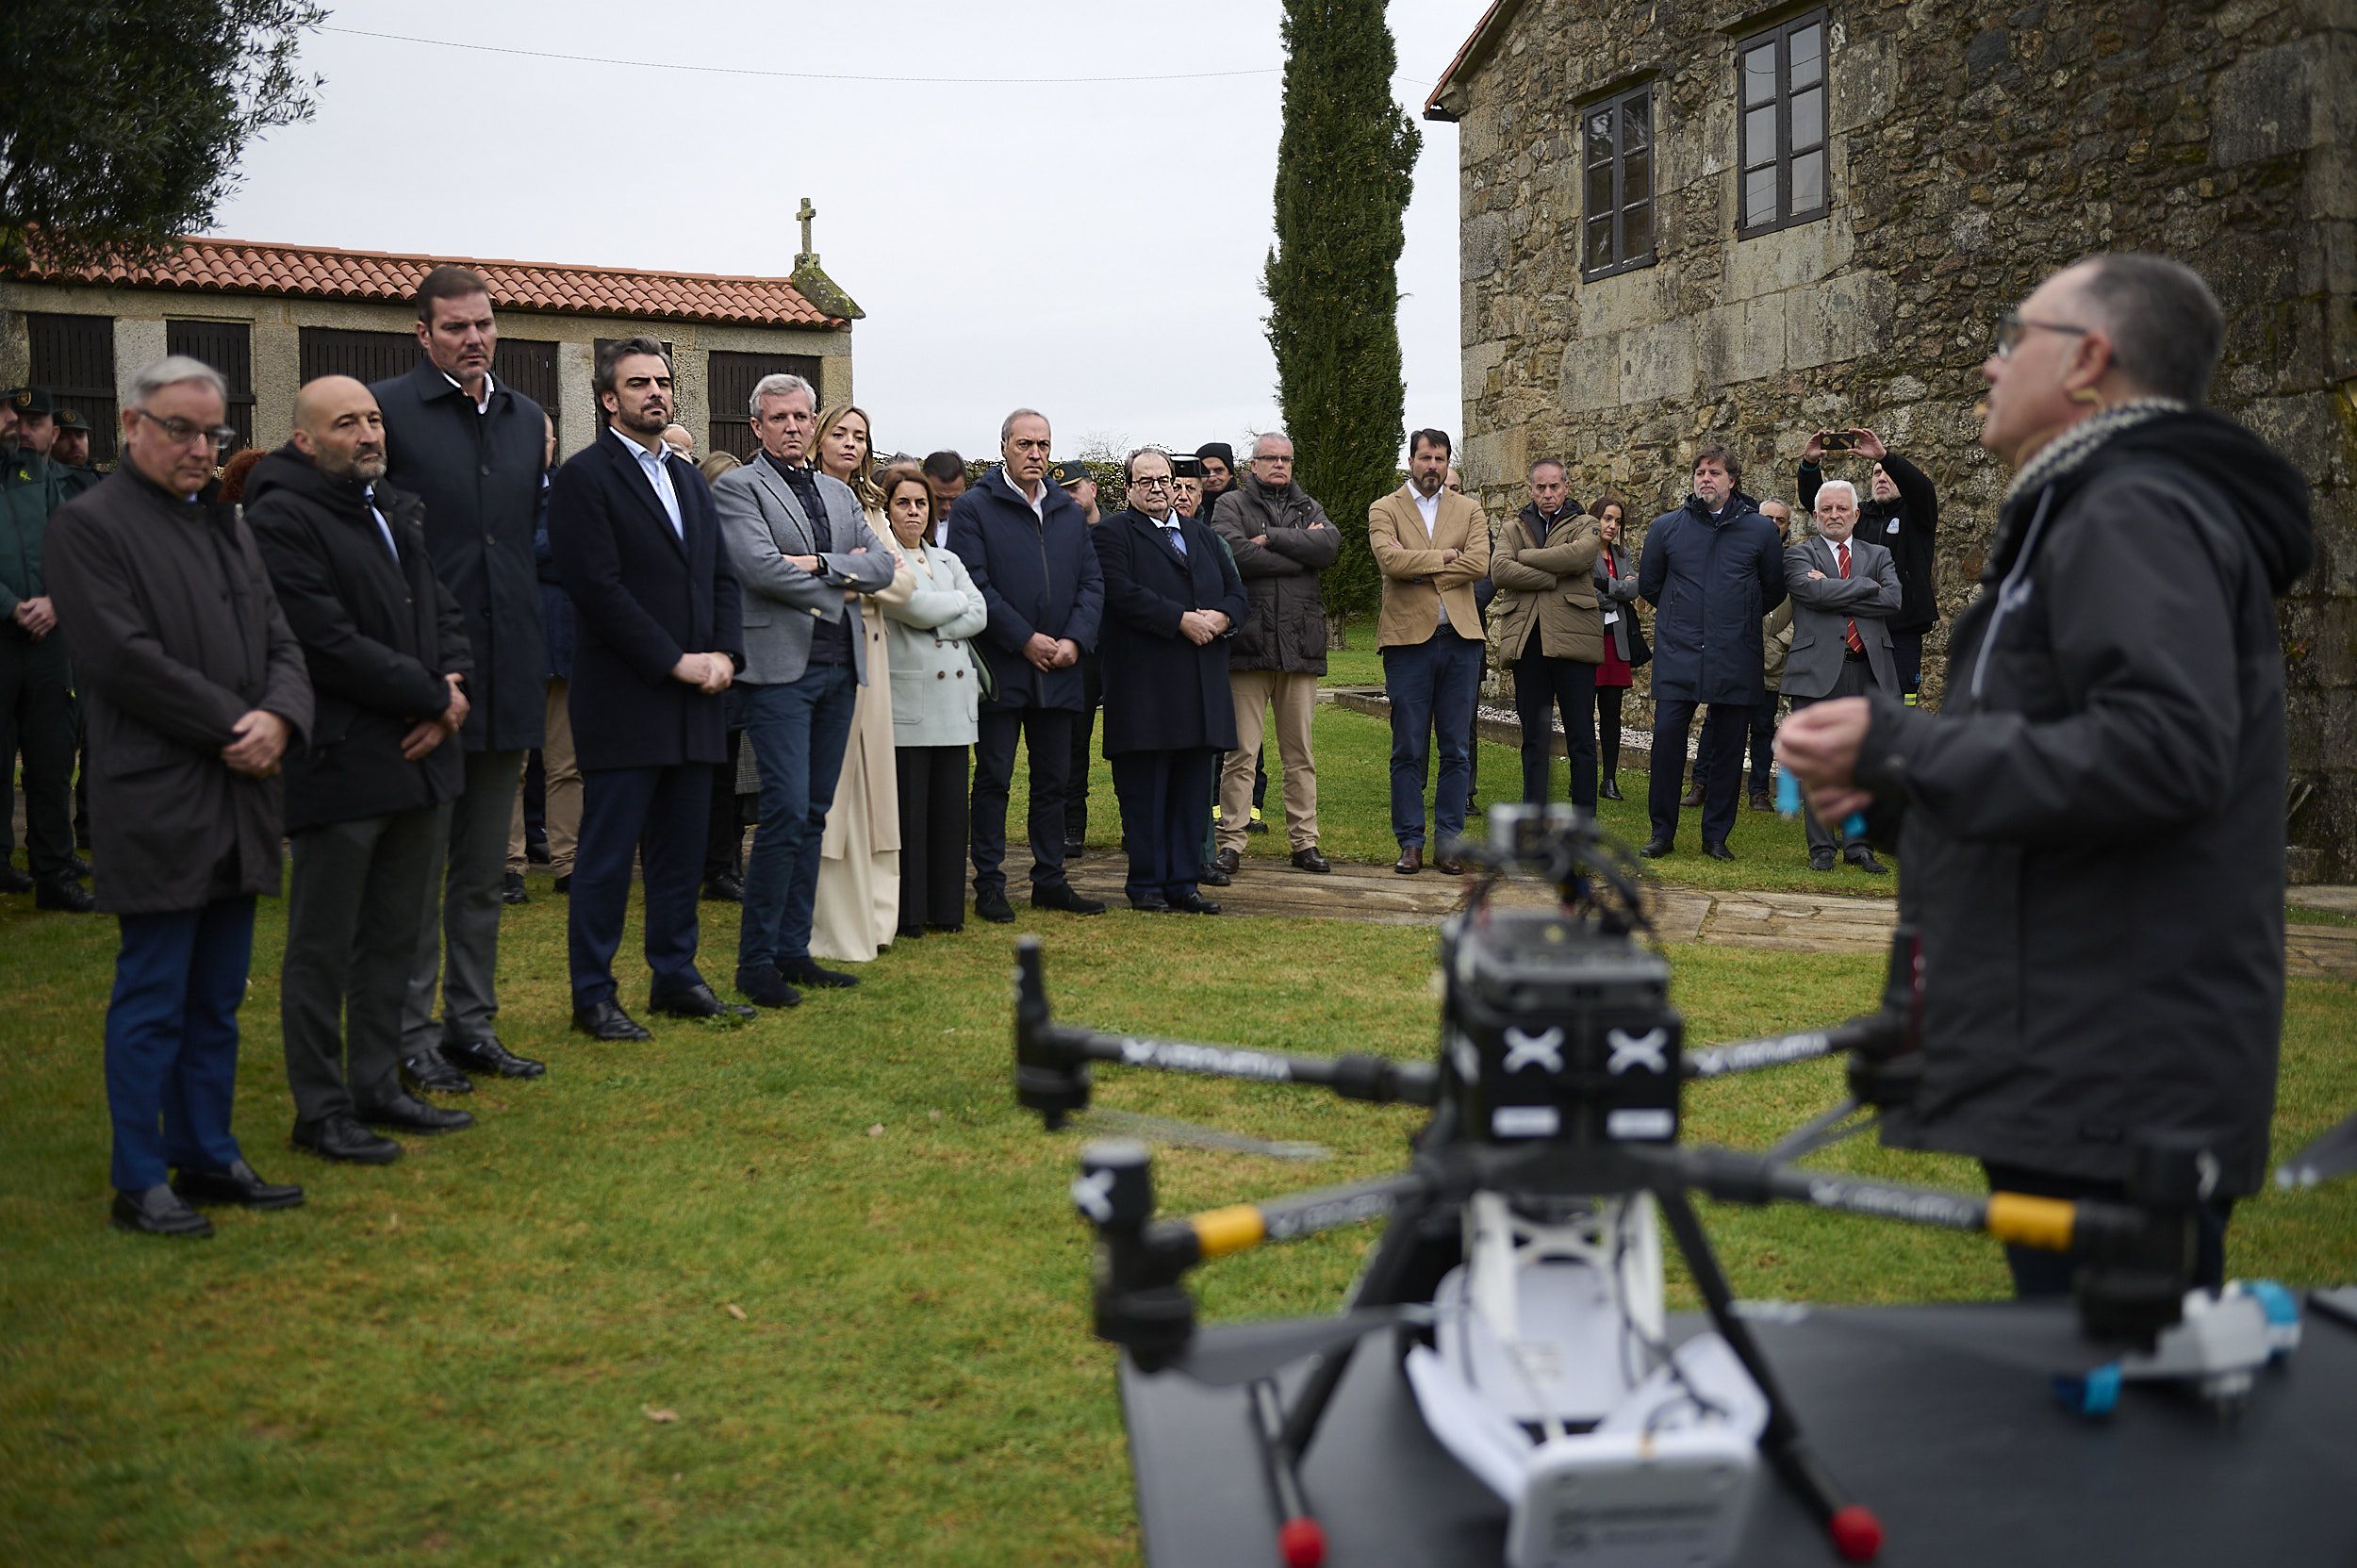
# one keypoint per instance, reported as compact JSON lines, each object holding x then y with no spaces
{"x":1974,"y":147}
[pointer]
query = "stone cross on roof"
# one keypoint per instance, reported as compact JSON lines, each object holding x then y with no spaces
{"x":808,"y":257}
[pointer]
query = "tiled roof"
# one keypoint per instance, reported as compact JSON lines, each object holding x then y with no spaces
{"x":1470,"y":55}
{"x":315,"y":271}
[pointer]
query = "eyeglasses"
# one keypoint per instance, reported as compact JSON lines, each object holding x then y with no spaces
{"x":1275,"y":457}
{"x":2010,"y":327}
{"x":1152,"y":481}
{"x":180,"y":432}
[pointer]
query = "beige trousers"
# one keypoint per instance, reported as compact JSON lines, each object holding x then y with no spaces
{"x":562,"y":817}
{"x":1294,"y":698}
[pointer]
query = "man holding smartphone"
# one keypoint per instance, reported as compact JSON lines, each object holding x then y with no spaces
{"x":1902,"y":515}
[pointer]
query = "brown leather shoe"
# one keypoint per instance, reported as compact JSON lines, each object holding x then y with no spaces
{"x":1693,"y":796}
{"x":1447,"y":867}
{"x":1411,"y":860}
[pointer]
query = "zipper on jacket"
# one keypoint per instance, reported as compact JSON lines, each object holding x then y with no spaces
{"x":2014,"y":592}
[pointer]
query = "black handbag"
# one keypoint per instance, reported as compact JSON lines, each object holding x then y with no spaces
{"x":1640,"y":652}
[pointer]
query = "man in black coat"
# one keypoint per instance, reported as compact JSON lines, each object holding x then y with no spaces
{"x":1027,"y":548}
{"x":1902,"y":515}
{"x":2093,"y":823}
{"x":1171,"y":598}
{"x":658,"y":636}
{"x":381,"y":637}
{"x":194,"y":688}
{"x":471,"y":450}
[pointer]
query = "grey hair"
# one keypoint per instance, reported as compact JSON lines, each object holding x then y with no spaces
{"x":1130,"y":464}
{"x":1555,"y":463}
{"x":1268,"y":435}
{"x":1006,"y":426}
{"x":776,"y":384}
{"x":2164,"y":322}
{"x":173,"y":369}
{"x":1838,"y":485}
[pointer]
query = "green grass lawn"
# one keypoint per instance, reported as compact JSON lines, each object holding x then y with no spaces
{"x":805,"y":1291}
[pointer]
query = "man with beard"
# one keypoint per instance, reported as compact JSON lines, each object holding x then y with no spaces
{"x":388,"y":657}
{"x":2092,"y":825}
{"x":657,"y":638}
{"x":70,"y":455}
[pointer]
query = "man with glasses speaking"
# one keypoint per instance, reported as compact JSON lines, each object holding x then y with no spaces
{"x":194,"y":688}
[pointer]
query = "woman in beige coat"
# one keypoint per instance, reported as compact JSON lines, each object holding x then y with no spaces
{"x":1547,"y":628}
{"x":858,"y":907}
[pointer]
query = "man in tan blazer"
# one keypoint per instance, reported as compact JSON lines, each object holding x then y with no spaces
{"x":1432,"y":545}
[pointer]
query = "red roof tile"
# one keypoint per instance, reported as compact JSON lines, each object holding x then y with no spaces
{"x":250,"y":267}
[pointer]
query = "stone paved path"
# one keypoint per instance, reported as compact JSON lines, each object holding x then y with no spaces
{"x":1780,"y":922}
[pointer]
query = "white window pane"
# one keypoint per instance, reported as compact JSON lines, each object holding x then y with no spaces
{"x":1808,"y":181}
{"x":1759,"y":136}
{"x":1808,"y":55}
{"x":1759,"y":75}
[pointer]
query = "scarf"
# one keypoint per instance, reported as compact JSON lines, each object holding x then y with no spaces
{"x":2075,"y":445}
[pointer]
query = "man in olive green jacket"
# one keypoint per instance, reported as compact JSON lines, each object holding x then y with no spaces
{"x":36,"y":689}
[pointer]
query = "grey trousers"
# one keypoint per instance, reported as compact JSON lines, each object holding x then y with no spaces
{"x":1856,"y":680}
{"x":353,"y":905}
{"x":458,"y":942}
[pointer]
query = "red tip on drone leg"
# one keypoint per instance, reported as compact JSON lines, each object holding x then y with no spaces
{"x":1857,"y":1535}
{"x":1302,"y":1543}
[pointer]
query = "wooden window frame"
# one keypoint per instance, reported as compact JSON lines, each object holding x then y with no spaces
{"x":1779,"y":38}
{"x":1617,"y":103}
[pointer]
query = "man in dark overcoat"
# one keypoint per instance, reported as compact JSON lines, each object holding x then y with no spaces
{"x":381,"y":637}
{"x":658,"y":636}
{"x":1711,"y":569}
{"x":1172,"y":597}
{"x":472,"y":449}
{"x":1027,"y":547}
{"x":194,"y":686}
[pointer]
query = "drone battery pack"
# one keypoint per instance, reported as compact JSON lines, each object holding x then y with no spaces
{"x":1558,"y":1033}
{"x":1625,"y":1500}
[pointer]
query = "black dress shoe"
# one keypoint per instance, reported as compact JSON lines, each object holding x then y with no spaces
{"x":696,"y":1001}
{"x":562,"y":887}
{"x":412,"y":1114}
{"x":1310,"y":860}
{"x":1607,"y":788}
{"x":764,"y":986}
{"x":1153,"y":903}
{"x":605,"y":1020}
{"x":1717,"y":849}
{"x":1230,"y":861}
{"x":1411,"y":860}
{"x":1075,"y":849}
{"x":913,"y":934}
{"x":1654,"y":849}
{"x":1059,"y":894}
{"x":1211,"y":876}
{"x":512,"y":889}
{"x":949,"y":927}
{"x":344,"y":1140}
{"x":726,"y":888}
{"x":238,"y":1185}
{"x":158,"y":1212}
{"x":488,"y":1056}
{"x":536,"y":850}
{"x":14,"y":881}
{"x":70,"y":897}
{"x":431,"y":1073}
{"x":1821,"y":860}
{"x":1864,"y":860}
{"x":1194,"y":903}
{"x":1255,"y":823}
{"x":992,"y":906}
{"x":77,"y":866}
{"x":802,"y":972}
{"x":1449,"y":865}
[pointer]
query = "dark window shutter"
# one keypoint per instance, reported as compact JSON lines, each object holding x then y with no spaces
{"x":74,"y":358}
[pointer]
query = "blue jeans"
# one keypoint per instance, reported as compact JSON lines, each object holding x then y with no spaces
{"x":797,"y":730}
{"x":171,"y":1040}
{"x":1432,"y":687}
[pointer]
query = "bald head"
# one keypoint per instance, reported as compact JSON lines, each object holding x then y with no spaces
{"x":338,"y":426}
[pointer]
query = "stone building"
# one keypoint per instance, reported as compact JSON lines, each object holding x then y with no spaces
{"x":270,"y":317}
{"x":1683,"y":218}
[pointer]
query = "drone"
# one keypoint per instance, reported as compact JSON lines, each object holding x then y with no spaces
{"x":1520,"y":1266}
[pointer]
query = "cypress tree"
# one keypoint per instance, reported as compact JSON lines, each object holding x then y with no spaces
{"x":1344,"y":168}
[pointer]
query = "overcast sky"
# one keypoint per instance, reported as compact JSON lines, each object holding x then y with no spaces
{"x":1088,"y":245}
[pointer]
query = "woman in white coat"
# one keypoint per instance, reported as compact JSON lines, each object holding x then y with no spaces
{"x":934,"y":700}
{"x":858,"y":906}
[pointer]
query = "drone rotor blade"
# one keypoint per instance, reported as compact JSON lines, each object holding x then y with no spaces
{"x":1169,"y":1129}
{"x":1228,"y":1355}
{"x":2332,"y":1155}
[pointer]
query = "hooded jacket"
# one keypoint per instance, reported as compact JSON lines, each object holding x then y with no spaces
{"x":1285,"y":630}
{"x":378,"y":636}
{"x":2092,"y":826}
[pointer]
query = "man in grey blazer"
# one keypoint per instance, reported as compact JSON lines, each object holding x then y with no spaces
{"x":1843,"y":592}
{"x":804,"y":551}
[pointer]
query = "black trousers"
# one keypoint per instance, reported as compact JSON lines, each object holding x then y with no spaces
{"x":1545,"y":688}
{"x":933,"y":837}
{"x":1076,"y":805}
{"x":1759,"y":725}
{"x":1720,"y":767}
{"x":354,"y":906}
{"x":659,"y":816}
{"x":1907,"y":652}
{"x":1047,"y":735}
{"x":37,"y":718}
{"x":724,"y":843}
{"x":1608,"y":728}
{"x":1165,"y":806}
{"x":2037,"y":1273}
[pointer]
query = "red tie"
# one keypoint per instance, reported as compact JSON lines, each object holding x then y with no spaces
{"x":1848,"y":628}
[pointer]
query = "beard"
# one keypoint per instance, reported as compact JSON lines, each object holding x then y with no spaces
{"x":650,"y":419}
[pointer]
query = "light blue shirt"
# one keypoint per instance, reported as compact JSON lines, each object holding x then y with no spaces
{"x":658,"y":474}
{"x":382,"y":526}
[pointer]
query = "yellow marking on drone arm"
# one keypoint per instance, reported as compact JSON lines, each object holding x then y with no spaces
{"x":1234,"y":1228}
{"x":2041,"y":1222}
